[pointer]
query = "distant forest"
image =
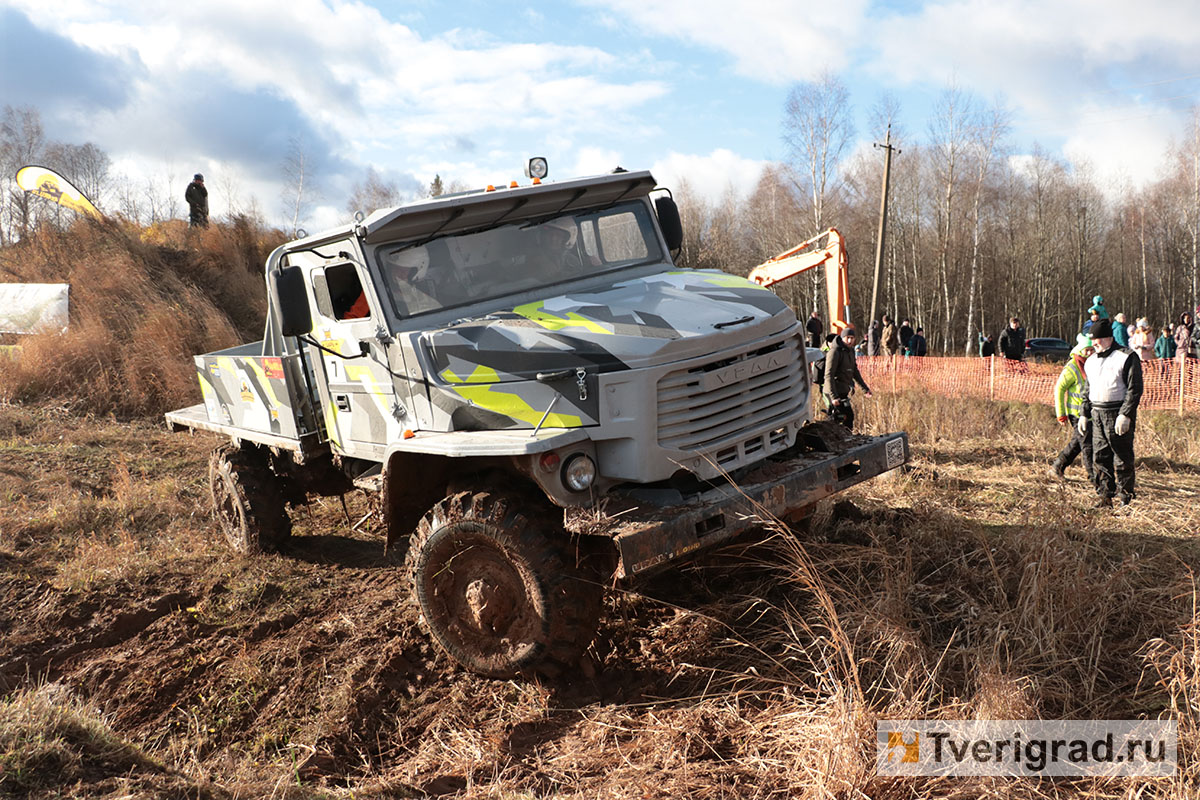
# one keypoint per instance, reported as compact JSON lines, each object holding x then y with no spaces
{"x":974,"y":234}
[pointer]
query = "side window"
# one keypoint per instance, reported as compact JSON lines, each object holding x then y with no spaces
{"x":621,"y":238}
{"x":587,"y":229}
{"x":345,"y":292}
{"x":321,"y":292}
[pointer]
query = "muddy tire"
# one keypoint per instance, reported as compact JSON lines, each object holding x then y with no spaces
{"x":497,"y":587}
{"x":248,"y":503}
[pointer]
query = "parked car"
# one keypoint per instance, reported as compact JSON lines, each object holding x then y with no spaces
{"x":1047,"y":348}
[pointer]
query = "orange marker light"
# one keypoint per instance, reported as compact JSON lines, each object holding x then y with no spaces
{"x":512,"y":184}
{"x":408,"y":434}
{"x":537,"y":181}
{"x":490,"y":188}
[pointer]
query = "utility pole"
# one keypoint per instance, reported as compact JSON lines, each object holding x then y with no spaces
{"x":887,"y":175}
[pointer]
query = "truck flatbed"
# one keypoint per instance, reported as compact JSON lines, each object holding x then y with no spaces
{"x":195,"y":418}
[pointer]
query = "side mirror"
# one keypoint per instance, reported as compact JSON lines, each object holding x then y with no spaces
{"x":295,"y":317}
{"x":669,"y":221}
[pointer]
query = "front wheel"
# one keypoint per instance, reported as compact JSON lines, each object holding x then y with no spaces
{"x":248,"y":500}
{"x":497,"y":586}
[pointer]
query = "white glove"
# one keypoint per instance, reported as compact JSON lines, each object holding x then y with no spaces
{"x":1122,"y":425}
{"x":1082,"y":426}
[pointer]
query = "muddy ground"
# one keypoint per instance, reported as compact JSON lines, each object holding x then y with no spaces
{"x":304,"y":673}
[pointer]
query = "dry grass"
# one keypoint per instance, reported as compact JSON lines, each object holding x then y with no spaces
{"x":142,"y":304}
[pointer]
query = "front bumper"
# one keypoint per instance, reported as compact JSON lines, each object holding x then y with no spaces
{"x":650,"y":538}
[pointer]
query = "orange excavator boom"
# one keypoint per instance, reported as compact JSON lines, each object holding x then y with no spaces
{"x":827,"y":249}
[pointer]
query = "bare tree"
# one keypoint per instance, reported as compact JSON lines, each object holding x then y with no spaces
{"x":950,"y":138}
{"x":987,"y":140}
{"x":1190,"y":158}
{"x":816,"y":129}
{"x":372,"y":193}
{"x":694,"y":214}
{"x":299,"y":188}
{"x":22,"y":142}
{"x":436,"y":189}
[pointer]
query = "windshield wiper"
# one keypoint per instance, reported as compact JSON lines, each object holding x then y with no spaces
{"x":732,"y":322}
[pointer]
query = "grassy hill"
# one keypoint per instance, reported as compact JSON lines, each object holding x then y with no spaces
{"x":143,"y":301}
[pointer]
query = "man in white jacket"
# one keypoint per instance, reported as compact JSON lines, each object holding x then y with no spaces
{"x":1114,"y":377}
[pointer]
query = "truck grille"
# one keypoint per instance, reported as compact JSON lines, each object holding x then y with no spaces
{"x":715,"y":404}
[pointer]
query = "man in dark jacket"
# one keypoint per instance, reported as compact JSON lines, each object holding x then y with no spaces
{"x":987,"y":348}
{"x":815,"y":328}
{"x":916,"y":344}
{"x":906,"y":332}
{"x":1114,"y":380}
{"x":1012,"y":341}
{"x":841,"y":373}
{"x":197,"y":200}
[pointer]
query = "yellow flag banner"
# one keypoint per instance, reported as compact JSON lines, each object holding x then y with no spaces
{"x":52,"y":186}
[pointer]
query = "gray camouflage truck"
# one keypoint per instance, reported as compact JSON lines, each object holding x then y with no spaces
{"x":543,"y":402}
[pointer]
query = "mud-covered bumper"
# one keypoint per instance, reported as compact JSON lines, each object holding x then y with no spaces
{"x":650,"y":539}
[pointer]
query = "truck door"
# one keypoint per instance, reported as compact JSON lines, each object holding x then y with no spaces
{"x":359,"y":403}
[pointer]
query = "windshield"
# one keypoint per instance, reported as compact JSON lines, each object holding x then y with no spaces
{"x":468,"y":268}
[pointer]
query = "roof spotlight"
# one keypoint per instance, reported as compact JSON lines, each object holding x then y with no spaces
{"x":536,"y":168}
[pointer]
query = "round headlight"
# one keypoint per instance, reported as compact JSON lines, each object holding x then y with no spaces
{"x":537,"y":168}
{"x":579,"y":473}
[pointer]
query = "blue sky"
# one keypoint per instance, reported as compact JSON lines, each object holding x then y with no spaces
{"x":468,"y":90}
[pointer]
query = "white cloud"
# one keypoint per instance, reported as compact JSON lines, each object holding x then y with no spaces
{"x":1101,"y":80}
{"x":776,"y":41}
{"x":462,"y":103}
{"x":1125,"y":148}
{"x":711,"y":176}
{"x":597,"y":161}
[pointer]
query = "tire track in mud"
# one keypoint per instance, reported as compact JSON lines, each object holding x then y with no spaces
{"x":48,"y":657}
{"x":334,"y":662}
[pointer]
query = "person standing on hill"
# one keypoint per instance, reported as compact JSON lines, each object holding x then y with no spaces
{"x":987,"y":347}
{"x":1114,"y":380}
{"x":1098,"y":307}
{"x":197,"y":200}
{"x":841,"y":373}
{"x":815,"y":328}
{"x":1069,"y":392}
{"x":1012,"y":341}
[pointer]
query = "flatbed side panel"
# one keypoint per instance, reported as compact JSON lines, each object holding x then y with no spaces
{"x":195,"y":418}
{"x":264,"y":394}
{"x":665,"y":535}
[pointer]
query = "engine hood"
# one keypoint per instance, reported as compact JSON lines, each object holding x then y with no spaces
{"x":632,"y":324}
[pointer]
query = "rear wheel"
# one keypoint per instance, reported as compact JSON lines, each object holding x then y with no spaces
{"x":497,"y":586}
{"x":248,"y":500}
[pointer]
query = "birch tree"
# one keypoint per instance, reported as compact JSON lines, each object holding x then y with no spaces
{"x":987,"y":140}
{"x":817,"y":127}
{"x":299,"y":188}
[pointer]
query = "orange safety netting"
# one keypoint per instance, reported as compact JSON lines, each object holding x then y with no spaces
{"x":1167,"y":386}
